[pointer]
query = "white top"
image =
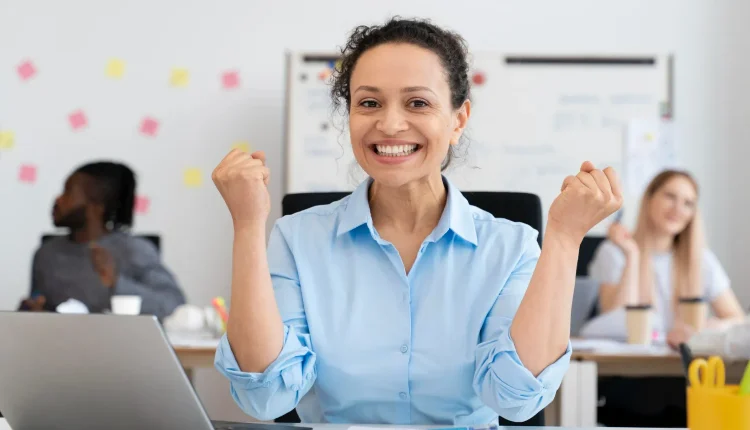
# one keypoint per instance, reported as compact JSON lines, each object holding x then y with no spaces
{"x":609,"y":262}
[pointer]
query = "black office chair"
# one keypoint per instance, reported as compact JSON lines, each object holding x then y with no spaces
{"x":153,"y":238}
{"x":586,"y":253}
{"x":519,"y":207}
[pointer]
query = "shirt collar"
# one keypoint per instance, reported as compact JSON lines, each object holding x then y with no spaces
{"x":457,"y":215}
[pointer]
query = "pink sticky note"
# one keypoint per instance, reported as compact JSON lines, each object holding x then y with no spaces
{"x":77,"y":120}
{"x":149,"y":126}
{"x":142,"y":204}
{"x":26,"y":70}
{"x":27,"y":173}
{"x":478,"y":78}
{"x":230,"y":79}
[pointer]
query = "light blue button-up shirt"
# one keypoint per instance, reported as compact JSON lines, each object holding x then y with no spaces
{"x":365,"y":342}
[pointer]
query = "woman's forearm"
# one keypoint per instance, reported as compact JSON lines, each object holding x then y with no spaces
{"x":255,"y":329}
{"x":541,"y":327}
{"x":626,"y":291}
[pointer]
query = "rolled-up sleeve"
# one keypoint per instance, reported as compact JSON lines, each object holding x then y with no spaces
{"x":279,"y":388}
{"x":287,"y":379}
{"x":500,"y":379}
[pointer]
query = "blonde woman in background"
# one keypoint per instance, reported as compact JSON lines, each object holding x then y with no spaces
{"x":665,"y":259}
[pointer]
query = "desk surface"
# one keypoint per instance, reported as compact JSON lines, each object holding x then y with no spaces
{"x":4,"y":426}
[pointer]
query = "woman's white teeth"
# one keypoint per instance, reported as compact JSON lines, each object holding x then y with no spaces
{"x":395,"y":150}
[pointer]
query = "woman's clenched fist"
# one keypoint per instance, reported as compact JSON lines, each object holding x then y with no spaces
{"x":242,"y":180}
{"x":585,"y":199}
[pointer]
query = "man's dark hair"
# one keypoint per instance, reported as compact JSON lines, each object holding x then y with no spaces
{"x":113,"y":186}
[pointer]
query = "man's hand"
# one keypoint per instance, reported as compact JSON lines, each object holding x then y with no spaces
{"x":34,"y":304}
{"x":104,"y":265}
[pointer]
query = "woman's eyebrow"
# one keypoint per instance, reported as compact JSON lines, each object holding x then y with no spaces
{"x":415,"y":89}
{"x":403,"y":90}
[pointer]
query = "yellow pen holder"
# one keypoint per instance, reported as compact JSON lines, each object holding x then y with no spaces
{"x":717,"y":408}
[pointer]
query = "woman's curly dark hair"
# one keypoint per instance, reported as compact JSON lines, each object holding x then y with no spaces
{"x":450,"y":47}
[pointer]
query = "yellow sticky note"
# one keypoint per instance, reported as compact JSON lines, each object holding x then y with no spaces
{"x":7,"y":139}
{"x":242,"y":146}
{"x":115,"y":68}
{"x":192,"y":177}
{"x":180,"y":77}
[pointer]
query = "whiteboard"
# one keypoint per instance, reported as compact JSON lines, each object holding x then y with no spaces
{"x":535,"y":119}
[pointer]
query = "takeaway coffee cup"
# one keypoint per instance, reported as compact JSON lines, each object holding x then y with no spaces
{"x":693,"y":311}
{"x":639,"y":321}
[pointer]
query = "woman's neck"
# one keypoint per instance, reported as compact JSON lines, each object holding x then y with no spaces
{"x":414,"y":206}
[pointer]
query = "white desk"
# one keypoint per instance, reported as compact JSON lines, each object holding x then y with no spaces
{"x":575,"y":404}
{"x":4,"y":426}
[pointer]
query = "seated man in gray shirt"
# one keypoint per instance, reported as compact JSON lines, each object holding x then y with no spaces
{"x":99,"y":258}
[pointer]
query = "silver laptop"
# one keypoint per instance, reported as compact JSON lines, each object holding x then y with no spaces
{"x":63,"y":371}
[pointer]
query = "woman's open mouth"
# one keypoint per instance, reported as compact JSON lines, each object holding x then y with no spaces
{"x":395,"y":150}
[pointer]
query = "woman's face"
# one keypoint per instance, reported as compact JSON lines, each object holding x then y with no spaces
{"x":401,"y":119}
{"x":673,"y":205}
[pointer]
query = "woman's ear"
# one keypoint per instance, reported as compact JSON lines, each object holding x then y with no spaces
{"x":460,"y":118}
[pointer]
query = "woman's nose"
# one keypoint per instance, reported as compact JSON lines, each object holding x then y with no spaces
{"x":392,"y":122}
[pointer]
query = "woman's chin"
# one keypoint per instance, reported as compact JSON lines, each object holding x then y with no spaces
{"x":672,"y":228}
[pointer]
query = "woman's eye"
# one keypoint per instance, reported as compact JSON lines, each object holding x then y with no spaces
{"x":418,"y":103}
{"x":369,"y":103}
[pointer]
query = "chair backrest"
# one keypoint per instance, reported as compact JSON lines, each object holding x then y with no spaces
{"x":585,"y":303}
{"x":586,"y":253}
{"x":293,"y":203}
{"x":520,"y":207}
{"x":153,"y":238}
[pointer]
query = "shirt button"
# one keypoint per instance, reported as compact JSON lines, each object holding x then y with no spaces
{"x":267,"y":384}
{"x":309,"y":376}
{"x":295,"y":387}
{"x":404,"y":348}
{"x":402,"y":395}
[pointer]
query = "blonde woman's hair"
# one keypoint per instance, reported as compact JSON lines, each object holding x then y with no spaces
{"x":687,"y":247}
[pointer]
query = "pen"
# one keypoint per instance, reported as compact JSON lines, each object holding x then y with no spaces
{"x":687,"y":357}
{"x":745,"y":382}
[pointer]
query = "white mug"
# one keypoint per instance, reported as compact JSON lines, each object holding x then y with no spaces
{"x":126,"y":305}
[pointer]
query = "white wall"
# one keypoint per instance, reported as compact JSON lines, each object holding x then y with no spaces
{"x":72,"y":39}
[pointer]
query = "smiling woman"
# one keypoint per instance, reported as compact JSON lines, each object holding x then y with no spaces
{"x":405,"y":65}
{"x":401,"y":303}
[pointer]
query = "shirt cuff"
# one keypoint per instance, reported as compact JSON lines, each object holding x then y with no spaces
{"x":518,"y":383}
{"x":293,"y":368}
